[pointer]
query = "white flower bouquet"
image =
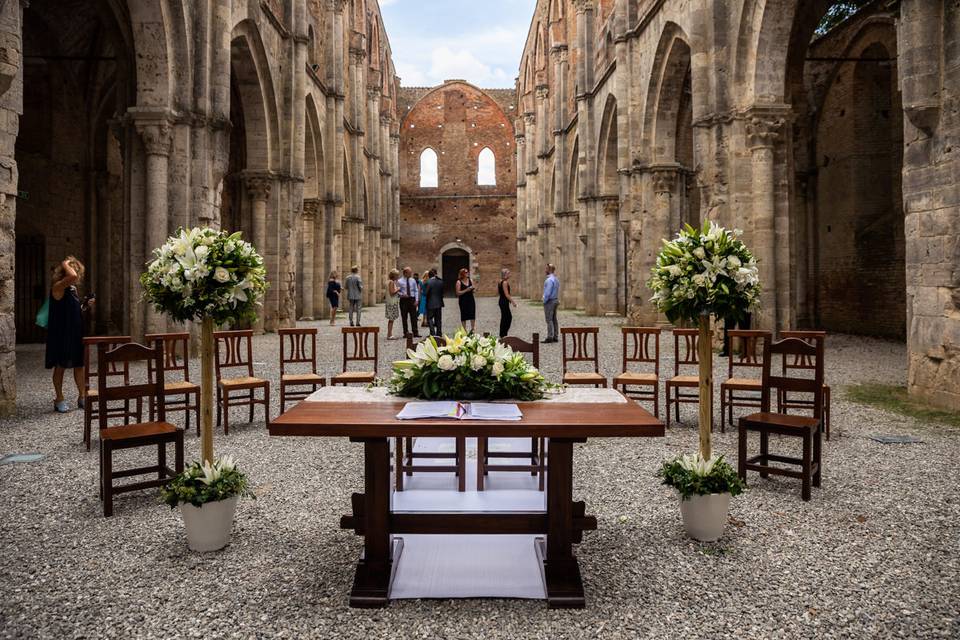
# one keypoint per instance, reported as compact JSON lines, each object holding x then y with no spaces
{"x":199,"y":483}
{"x":202,"y":273}
{"x":705,"y":271}
{"x":468,"y":366}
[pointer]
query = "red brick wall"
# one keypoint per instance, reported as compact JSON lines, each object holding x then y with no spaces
{"x":457,"y":121}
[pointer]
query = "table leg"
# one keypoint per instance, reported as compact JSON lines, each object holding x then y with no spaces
{"x":371,"y":584}
{"x":561,"y":571}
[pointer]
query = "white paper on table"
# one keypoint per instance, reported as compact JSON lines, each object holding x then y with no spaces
{"x":492,"y":411}
{"x":436,"y":409}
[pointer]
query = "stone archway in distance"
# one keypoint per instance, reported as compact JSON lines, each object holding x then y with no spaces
{"x":453,"y":257}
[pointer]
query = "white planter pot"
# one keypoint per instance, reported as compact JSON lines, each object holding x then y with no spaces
{"x":209,"y":525}
{"x":705,"y":516}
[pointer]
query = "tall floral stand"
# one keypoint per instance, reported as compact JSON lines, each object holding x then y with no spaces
{"x":705,"y":358}
{"x":206,"y":389}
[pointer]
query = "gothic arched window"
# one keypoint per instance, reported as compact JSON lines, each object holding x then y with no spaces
{"x":486,"y":168}
{"x":428,"y":168}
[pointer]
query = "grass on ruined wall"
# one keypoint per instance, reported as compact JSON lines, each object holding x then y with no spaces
{"x":896,"y":399}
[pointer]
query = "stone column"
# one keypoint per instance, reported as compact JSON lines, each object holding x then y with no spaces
{"x":320,"y":250}
{"x":156,"y":141}
{"x":521,"y":207}
{"x":608,"y":275}
{"x":762,"y":134}
{"x":307,"y":267}
{"x":258,"y":188}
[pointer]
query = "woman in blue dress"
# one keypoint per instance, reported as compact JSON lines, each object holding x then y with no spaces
{"x":422,"y":311}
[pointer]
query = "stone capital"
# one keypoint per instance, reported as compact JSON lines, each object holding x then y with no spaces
{"x":559,"y":51}
{"x":529,"y":119}
{"x":763,"y":131}
{"x":581,"y":6}
{"x":357,"y":55}
{"x":664,"y":180}
{"x":258,"y":185}
{"x":338,"y":5}
{"x":157,"y":137}
{"x":543,"y":91}
{"x":311,"y":206}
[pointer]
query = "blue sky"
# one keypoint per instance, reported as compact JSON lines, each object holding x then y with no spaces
{"x":475,"y":40}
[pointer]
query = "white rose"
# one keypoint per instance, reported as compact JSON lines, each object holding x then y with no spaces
{"x":478,"y":362}
{"x":201,"y":252}
{"x":699,"y":280}
{"x":700,"y":253}
{"x":446,"y":363}
{"x":733,"y":262}
{"x":460,"y":360}
{"x":497,"y":369}
{"x":221,"y":274}
{"x":674,"y":270}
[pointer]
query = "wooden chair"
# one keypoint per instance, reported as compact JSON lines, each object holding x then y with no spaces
{"x":360,"y":339}
{"x":784,"y":403}
{"x":405,"y":456}
{"x":684,"y":357}
{"x":537,"y":452}
{"x":157,"y":433}
{"x":644,"y":349}
{"x":118,"y":370}
{"x":234,"y":351}
{"x":580,"y":350}
{"x":749,"y":360}
{"x":298,"y":346}
{"x":765,"y":422}
{"x":178,"y":395}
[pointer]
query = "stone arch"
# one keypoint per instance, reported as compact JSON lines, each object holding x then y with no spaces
{"x":607,"y":159}
{"x":314,"y":185}
{"x":251,"y":71}
{"x":573,"y":183}
{"x":670,"y":77}
{"x":453,"y":256}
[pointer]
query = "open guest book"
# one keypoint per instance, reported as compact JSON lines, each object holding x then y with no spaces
{"x":451,"y":409}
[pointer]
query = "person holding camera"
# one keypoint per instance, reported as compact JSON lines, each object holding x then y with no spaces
{"x":65,"y":330}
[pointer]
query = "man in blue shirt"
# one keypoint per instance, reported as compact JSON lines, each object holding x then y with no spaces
{"x":551,"y":298}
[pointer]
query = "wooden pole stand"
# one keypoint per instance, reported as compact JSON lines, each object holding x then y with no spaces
{"x":206,"y":389}
{"x":705,"y":357}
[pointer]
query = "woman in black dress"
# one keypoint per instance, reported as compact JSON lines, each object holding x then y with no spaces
{"x":65,"y":330}
{"x":468,"y":305}
{"x":333,"y":295}
{"x":505,"y":299}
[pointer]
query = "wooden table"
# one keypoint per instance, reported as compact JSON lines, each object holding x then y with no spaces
{"x":563,"y":523}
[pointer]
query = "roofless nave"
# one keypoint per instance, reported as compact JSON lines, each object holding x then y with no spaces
{"x":285,"y":119}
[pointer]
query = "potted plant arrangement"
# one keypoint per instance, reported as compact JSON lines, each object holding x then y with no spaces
{"x":214,"y":278}
{"x":701,"y":273}
{"x":468,"y":367}
{"x":207,"y":495}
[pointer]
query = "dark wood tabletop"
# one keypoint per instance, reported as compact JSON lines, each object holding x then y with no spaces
{"x":548,"y":419}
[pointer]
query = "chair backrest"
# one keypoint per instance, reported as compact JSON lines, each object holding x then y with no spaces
{"x":522,"y":346}
{"x":90,"y":346}
{"x":641,"y":344}
{"x":750,"y":355}
{"x":800,"y":361}
{"x":685,"y":343}
{"x":234,"y":350}
{"x":794,"y":347}
{"x":120,"y":357}
{"x":359,"y":339}
{"x":298,"y":346}
{"x":176,"y":353}
{"x":412,"y":344}
{"x":582,"y":343}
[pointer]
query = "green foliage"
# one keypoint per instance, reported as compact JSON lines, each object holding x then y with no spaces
{"x":897,"y":400}
{"x":200,"y":273}
{"x":202,"y":483}
{"x":692,"y":476}
{"x":468,"y":366}
{"x":705,"y":271}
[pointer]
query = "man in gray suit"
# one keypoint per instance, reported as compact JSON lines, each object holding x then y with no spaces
{"x":433,"y":291}
{"x":354,"y":287}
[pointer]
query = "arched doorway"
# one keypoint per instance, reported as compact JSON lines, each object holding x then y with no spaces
{"x":453,"y":258}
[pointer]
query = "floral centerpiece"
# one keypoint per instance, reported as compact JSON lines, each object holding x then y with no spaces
{"x":703,"y":272}
{"x":467,"y":366}
{"x":705,"y":488}
{"x":212,"y":277}
{"x":218,"y":484}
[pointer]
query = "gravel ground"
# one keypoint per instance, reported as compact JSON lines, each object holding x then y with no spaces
{"x":874,"y":554}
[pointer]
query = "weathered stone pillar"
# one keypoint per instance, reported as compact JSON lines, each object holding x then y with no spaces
{"x":320,"y":255}
{"x":307,"y":266}
{"x":762,"y":134}
{"x":156,"y":141}
{"x":609,"y":277}
{"x":521,"y":278}
{"x":258,"y":188}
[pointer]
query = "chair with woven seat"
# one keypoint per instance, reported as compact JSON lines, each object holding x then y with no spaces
{"x":784,"y":402}
{"x":537,"y":452}
{"x":115,"y":370}
{"x":644,"y":348}
{"x":178,"y":395}
{"x":359,"y":339}
{"x":685,"y":343}
{"x":765,"y":422}
{"x":580,"y":345}
{"x":741,"y":390}
{"x":298,"y":347}
{"x":234,"y":353}
{"x":158,"y":433}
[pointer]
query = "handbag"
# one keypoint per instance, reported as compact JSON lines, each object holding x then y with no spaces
{"x":43,"y":315}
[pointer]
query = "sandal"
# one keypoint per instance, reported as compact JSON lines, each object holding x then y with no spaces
{"x":61,"y":407}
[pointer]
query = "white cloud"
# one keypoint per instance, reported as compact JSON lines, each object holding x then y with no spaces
{"x":446,"y":64}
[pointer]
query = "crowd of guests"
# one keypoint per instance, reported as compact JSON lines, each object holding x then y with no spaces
{"x":417,"y":299}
